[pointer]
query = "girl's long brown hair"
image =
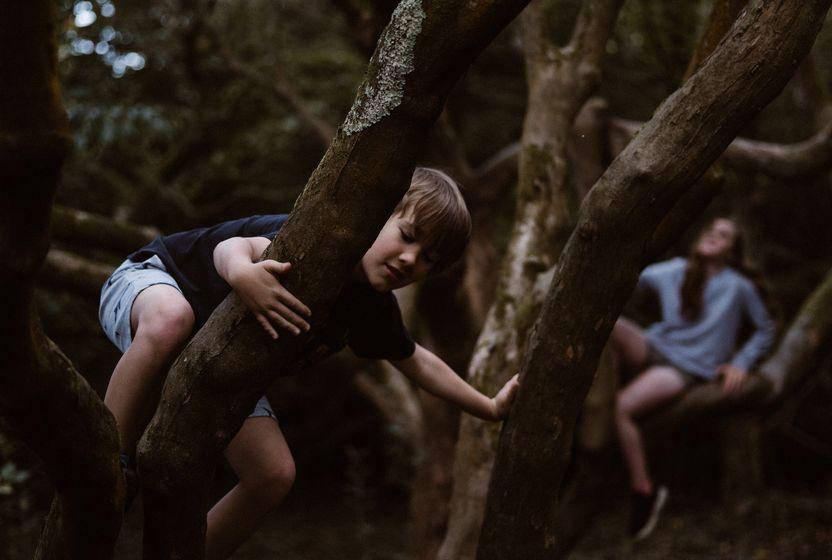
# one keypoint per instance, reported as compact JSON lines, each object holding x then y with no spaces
{"x":693,"y":286}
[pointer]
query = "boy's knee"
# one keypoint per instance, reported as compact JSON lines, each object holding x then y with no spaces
{"x":167,"y":326}
{"x":273,"y":484}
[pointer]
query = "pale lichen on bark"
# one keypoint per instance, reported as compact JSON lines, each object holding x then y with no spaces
{"x":393,"y":61}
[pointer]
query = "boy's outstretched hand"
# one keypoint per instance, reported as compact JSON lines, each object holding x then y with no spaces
{"x":504,"y":399}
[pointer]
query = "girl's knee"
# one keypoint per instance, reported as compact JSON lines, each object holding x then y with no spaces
{"x":623,"y":408}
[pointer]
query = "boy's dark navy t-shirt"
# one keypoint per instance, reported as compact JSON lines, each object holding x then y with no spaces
{"x":370,"y":322}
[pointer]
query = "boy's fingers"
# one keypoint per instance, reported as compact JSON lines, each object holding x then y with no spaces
{"x":267,"y":326}
{"x":276,"y":267}
{"x":291,"y":316}
{"x":287,"y":298}
{"x":277,"y":318}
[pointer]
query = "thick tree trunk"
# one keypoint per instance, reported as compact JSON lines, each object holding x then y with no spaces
{"x":560,"y":81}
{"x":230,"y":362}
{"x":605,"y":254}
{"x":43,"y":400}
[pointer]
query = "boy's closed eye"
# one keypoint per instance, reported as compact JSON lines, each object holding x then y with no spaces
{"x":407,"y":235}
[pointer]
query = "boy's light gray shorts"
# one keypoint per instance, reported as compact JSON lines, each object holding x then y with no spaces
{"x":117,"y":297}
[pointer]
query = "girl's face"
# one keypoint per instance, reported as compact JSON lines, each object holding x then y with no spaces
{"x":717,"y":241}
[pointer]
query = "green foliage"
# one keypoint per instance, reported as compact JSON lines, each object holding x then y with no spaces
{"x":649,"y":52}
{"x":11,"y":478}
{"x":171,"y":140}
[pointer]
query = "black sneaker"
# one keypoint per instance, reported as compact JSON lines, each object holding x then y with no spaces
{"x":646,"y":509}
{"x":131,"y":479}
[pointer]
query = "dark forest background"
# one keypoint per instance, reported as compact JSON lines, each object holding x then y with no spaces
{"x":185,"y":113}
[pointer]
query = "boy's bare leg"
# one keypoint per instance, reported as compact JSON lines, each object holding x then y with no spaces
{"x":264,"y":466}
{"x":162,"y":321}
{"x":655,"y":386}
{"x":630,"y":343}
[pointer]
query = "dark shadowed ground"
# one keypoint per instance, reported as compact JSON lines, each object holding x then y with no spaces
{"x":326,"y":524}
{"x":333,"y":522}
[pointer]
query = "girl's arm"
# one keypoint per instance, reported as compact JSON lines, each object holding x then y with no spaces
{"x":764,"y":331}
{"x":432,"y":374}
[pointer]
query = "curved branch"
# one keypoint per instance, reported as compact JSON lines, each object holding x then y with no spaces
{"x":783,"y":161}
{"x":66,"y":270}
{"x":77,"y":226}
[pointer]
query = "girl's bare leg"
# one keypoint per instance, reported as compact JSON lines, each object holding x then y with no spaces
{"x":655,"y":386}
{"x":630,"y":343}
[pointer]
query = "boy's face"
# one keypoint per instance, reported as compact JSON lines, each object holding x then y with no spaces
{"x":397,"y":257}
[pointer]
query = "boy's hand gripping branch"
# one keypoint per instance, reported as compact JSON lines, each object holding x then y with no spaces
{"x":258,"y":284}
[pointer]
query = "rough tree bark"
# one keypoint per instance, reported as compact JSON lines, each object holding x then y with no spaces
{"x":560,"y":81}
{"x":76,"y":439}
{"x":602,"y":260}
{"x":801,"y":348}
{"x":230,"y":362}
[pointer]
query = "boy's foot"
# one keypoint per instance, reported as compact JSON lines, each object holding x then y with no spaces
{"x":646,"y":509}
{"x":131,"y":479}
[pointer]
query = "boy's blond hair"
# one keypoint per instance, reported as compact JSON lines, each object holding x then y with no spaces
{"x":441,"y":218}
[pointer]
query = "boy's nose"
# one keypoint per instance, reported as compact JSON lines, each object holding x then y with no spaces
{"x":408,"y":257}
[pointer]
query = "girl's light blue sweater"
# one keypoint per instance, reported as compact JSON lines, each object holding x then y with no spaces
{"x":701,"y":346}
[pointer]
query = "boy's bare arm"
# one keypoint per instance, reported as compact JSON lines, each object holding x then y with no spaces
{"x":257,"y":284}
{"x":428,"y":371}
